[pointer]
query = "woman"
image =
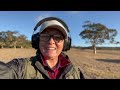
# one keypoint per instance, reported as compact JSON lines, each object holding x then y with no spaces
{"x":50,"y":62}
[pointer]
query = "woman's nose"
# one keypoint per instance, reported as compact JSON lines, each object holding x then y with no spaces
{"x":51,"y":40}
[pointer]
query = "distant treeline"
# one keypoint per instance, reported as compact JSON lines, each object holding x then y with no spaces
{"x":98,"y":48}
{"x":12,"y":39}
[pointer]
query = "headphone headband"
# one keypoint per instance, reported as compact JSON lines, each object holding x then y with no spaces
{"x":48,"y":19}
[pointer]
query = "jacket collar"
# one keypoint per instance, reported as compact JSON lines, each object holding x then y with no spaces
{"x":37,"y":63}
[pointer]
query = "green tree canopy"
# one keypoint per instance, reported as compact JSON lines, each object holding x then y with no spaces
{"x":13,"y":39}
{"x":97,"y":33}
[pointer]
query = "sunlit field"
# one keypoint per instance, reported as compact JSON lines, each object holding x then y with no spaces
{"x":9,"y":54}
{"x":104,"y":65}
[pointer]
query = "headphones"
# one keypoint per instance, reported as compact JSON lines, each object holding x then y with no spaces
{"x":35,"y":37}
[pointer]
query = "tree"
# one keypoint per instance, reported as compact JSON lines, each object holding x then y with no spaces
{"x":97,"y":33}
{"x":11,"y":38}
{"x":21,"y":40}
{"x":2,"y":39}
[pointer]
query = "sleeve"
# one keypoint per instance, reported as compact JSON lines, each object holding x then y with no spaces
{"x":4,"y":71}
{"x":16,"y":68}
{"x":83,"y":74}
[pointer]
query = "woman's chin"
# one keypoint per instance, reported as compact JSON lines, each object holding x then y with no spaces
{"x":51,"y":55}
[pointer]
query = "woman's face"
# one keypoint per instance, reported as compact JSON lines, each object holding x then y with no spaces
{"x":51,"y":43}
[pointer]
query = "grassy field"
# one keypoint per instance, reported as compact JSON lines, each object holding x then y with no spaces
{"x":104,"y":65}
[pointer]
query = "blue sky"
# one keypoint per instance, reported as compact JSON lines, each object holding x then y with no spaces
{"x":25,"y":21}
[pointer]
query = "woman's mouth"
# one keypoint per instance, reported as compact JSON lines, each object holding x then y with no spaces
{"x":51,"y":48}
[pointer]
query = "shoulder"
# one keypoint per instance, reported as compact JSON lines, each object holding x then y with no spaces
{"x":17,"y":67}
{"x":76,"y":69}
{"x":79,"y":71}
{"x":17,"y":63}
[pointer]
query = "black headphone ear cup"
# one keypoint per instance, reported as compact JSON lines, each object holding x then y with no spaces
{"x":67,"y":44}
{"x":35,"y":41}
{"x":64,"y":47}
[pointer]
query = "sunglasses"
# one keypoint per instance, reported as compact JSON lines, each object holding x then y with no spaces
{"x":47,"y":37}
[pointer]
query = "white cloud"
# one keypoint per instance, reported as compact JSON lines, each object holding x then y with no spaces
{"x":40,"y":17}
{"x":73,"y":12}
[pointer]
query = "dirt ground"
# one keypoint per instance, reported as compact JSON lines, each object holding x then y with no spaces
{"x":104,"y":65}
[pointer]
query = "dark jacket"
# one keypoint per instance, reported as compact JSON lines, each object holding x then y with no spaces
{"x":31,"y":68}
{"x":4,"y":71}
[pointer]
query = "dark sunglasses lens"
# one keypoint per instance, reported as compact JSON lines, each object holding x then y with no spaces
{"x":44,"y":37}
{"x":58,"y":37}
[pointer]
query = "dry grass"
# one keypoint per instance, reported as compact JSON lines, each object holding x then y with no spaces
{"x":104,"y":65}
{"x":9,"y":54}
